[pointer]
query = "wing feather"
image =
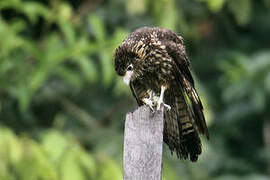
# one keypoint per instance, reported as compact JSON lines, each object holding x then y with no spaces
{"x":131,"y":85}
{"x":197,"y":107}
{"x":183,"y":75}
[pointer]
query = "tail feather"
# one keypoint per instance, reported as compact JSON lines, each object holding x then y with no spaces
{"x":180,"y":131}
{"x":197,"y":107}
{"x":192,"y":145}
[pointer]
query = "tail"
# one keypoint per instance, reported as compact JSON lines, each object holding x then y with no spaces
{"x":180,"y":129}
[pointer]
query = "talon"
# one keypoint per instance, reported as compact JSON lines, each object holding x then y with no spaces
{"x":168,"y":107}
{"x":149,"y":103}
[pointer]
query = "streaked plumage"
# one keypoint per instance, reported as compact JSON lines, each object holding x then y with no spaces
{"x":152,"y":59}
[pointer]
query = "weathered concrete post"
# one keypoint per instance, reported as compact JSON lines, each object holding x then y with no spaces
{"x":143,"y":142}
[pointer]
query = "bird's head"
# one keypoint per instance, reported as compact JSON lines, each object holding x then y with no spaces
{"x":126,"y":64}
{"x":134,"y":56}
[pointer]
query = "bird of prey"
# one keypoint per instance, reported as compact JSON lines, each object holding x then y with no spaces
{"x":153,"y":62}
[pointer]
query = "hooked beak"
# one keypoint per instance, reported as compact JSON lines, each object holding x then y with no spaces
{"x":127,"y":77}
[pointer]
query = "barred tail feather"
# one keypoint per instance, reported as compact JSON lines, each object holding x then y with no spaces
{"x":190,"y":137}
{"x":192,"y":145}
{"x":180,"y":131}
{"x":197,"y":108}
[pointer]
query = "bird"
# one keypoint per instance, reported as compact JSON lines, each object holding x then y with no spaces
{"x":154,"y":64}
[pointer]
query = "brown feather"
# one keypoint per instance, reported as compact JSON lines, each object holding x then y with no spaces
{"x":180,"y":130}
{"x":159,"y":59}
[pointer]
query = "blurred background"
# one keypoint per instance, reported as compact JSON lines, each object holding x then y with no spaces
{"x":62,"y":106}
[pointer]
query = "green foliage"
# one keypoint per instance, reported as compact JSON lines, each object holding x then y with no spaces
{"x":242,"y":17}
{"x":214,"y":5}
{"x":245,"y":79}
{"x":56,"y":156}
{"x":51,"y":56}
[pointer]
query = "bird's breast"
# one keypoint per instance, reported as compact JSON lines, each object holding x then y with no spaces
{"x":156,"y":79}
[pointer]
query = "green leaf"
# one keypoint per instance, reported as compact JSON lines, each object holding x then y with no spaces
{"x":109,"y":169}
{"x":9,"y":4}
{"x":136,"y":7}
{"x":38,"y":77}
{"x":64,"y":12}
{"x":23,"y":94}
{"x":34,"y":164}
{"x":215,"y":5}
{"x":88,"y":68}
{"x":69,"y":33}
{"x":70,"y":76}
{"x":118,"y":37}
{"x":97,"y":26}
{"x":54,"y":145}
{"x":87,"y":164}
{"x":241,"y":10}
{"x":33,"y":10}
{"x":11,"y":147}
{"x":166,"y":14}
{"x":69,"y":167}
{"x":107,"y":68}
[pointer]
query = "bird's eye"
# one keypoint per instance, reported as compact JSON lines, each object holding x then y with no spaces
{"x":130,"y":67}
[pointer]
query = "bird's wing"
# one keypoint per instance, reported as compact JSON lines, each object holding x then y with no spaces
{"x":180,"y":130}
{"x":185,"y":80}
{"x":131,"y":85}
{"x":197,"y":107}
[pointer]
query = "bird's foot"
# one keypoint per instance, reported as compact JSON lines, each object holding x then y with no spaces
{"x":149,"y":103}
{"x":160,"y":102}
